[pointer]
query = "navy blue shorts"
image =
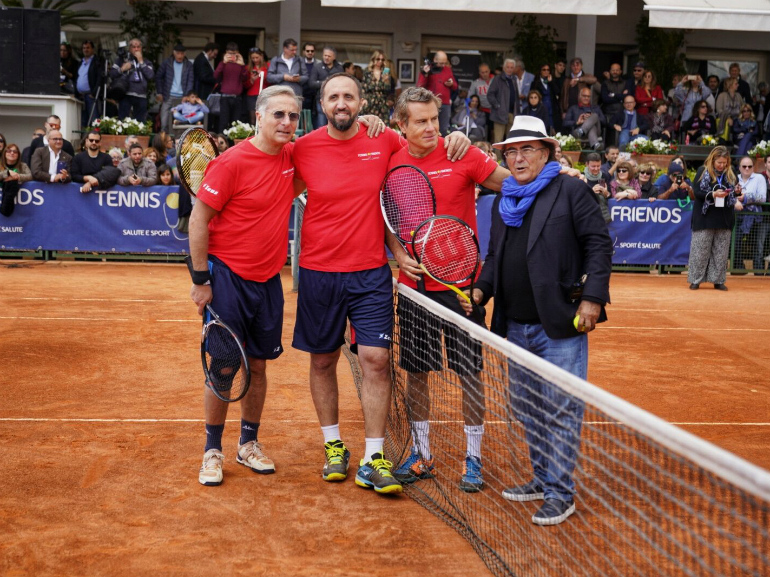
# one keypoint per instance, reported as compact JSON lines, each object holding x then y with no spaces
{"x":327,"y":299}
{"x":419,"y":337}
{"x":254,"y":310}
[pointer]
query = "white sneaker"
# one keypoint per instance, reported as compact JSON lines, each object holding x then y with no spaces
{"x":211,"y":469}
{"x":250,"y":454}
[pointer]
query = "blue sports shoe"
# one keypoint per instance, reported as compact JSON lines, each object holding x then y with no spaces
{"x":472,"y":481}
{"x":376,"y":475}
{"x":414,"y":468}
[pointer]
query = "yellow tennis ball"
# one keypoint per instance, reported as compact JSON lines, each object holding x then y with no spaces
{"x":576,"y":321}
{"x":172,"y":200}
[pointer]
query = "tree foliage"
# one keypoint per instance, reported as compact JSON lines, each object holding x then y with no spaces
{"x":77,"y":18}
{"x":662,"y":50}
{"x":153,"y":23}
{"x":535,"y":43}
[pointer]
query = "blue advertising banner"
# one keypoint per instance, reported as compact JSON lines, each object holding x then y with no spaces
{"x":122,"y":219}
{"x":656,"y":233}
{"x":643,"y":232}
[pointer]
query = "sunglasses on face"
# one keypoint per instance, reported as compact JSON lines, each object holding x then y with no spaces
{"x":12,"y":151}
{"x":97,"y":140}
{"x":280,"y":114}
{"x":621,"y":170}
{"x":746,"y":166}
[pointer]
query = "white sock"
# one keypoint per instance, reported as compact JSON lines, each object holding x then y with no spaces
{"x":473,"y":434}
{"x":420,"y":431}
{"x":331,"y":433}
{"x":373,"y":446}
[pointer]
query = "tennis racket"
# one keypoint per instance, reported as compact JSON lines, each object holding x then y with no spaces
{"x":194,"y":150}
{"x":406,"y":199}
{"x":224,"y":360}
{"x":448,"y":252}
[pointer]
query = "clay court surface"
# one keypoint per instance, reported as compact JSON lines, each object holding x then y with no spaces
{"x":102,"y":433}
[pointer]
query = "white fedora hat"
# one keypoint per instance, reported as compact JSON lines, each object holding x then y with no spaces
{"x":526,"y":128}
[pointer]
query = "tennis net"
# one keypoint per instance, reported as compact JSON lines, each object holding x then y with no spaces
{"x":651,"y":498}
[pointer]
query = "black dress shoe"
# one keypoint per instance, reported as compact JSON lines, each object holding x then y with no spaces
{"x":694,"y":286}
{"x":720,"y":287}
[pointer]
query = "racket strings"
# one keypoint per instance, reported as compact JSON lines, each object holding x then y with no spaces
{"x":448,"y":250}
{"x":225,"y":368}
{"x":195,"y":153}
{"x":407,"y":200}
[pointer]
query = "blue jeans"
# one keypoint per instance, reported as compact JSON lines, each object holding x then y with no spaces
{"x":88,"y":106}
{"x":762,"y":228}
{"x":137,"y":103}
{"x":552,"y":419}
{"x":191,"y":120}
{"x":320,"y":119}
{"x":624,"y":137}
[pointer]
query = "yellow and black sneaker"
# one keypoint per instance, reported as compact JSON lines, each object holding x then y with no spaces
{"x":337,"y":458}
{"x":376,"y":475}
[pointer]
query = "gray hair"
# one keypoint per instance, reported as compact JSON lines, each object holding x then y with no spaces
{"x":413,"y":94}
{"x":507,"y":60}
{"x":273,"y":91}
{"x":330,"y":48}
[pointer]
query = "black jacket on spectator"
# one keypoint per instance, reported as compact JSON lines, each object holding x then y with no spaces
{"x":38,"y":142}
{"x":204,"y":76}
{"x":95,"y":75}
{"x":100,"y":168}
{"x":641,"y":121}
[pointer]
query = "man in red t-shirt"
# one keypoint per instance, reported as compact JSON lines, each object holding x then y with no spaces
{"x":344,"y":274}
{"x":417,"y":114}
{"x":244,"y":202}
{"x":440,"y":80}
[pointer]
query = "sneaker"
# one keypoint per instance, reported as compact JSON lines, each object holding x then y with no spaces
{"x":413,"y":469}
{"x":471,"y":481}
{"x":720,"y":287}
{"x":250,"y":454}
{"x":376,"y":475}
{"x":527,"y":492}
{"x":337,"y":458}
{"x":597,"y":145}
{"x":553,"y":512}
{"x":579,"y":132}
{"x":210,"y":473}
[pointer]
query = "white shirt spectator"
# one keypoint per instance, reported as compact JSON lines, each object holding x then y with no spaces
{"x":53,"y":163}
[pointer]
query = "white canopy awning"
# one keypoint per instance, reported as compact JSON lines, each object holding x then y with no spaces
{"x":739,"y":15}
{"x":582,"y":7}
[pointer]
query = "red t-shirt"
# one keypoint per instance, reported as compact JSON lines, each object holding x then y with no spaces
{"x":253,"y":192}
{"x":454,"y":187}
{"x":343,"y":229}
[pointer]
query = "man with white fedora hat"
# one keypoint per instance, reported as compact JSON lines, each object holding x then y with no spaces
{"x":548,"y":268}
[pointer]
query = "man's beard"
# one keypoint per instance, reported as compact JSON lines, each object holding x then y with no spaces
{"x":342,"y":126}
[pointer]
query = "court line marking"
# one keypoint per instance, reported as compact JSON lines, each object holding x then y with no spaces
{"x":100,"y":300}
{"x":600,"y":327}
{"x":291,"y":421}
{"x":98,"y":319}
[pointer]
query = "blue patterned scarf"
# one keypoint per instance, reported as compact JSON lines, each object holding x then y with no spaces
{"x":517,"y":198}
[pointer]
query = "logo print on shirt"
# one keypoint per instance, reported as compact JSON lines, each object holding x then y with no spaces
{"x":443,"y":173}
{"x":211,"y":190}
{"x":288,"y":173}
{"x":369,"y":155}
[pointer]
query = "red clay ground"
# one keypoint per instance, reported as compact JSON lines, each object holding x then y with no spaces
{"x":101,"y":427}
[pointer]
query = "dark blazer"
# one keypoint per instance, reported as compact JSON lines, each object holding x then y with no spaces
{"x":567,"y":238}
{"x":41,"y":160}
{"x":164,"y":77}
{"x":641,"y":121}
{"x":38,"y":143}
{"x":204,"y":76}
{"x":95,"y":75}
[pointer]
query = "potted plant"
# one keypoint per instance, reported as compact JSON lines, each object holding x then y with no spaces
{"x":240,"y":131}
{"x":656,"y":151}
{"x":570,"y":146}
{"x":759,"y":153}
{"x":115,"y":130}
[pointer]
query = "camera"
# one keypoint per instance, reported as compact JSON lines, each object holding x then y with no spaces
{"x":122,"y":50}
{"x":679,"y":179}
